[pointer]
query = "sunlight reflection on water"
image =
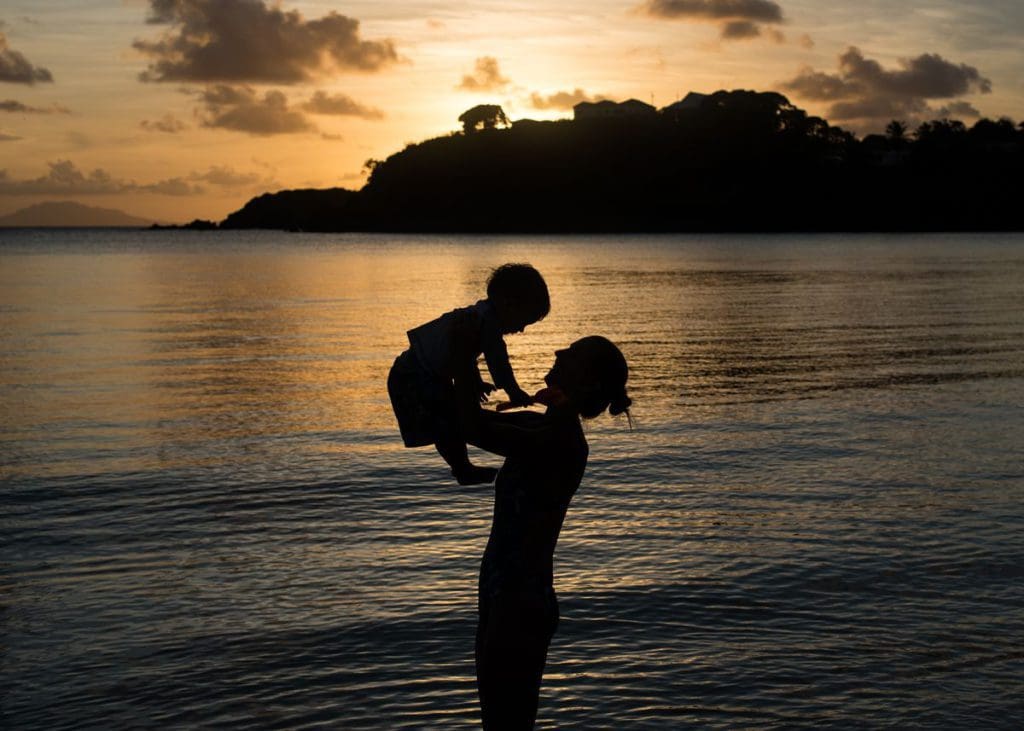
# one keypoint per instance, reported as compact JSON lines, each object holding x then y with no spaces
{"x":208,"y":517}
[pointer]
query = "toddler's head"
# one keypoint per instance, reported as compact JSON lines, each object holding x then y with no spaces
{"x":519,"y":295}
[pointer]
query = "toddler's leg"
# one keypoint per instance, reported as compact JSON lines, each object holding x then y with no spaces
{"x":453,"y":450}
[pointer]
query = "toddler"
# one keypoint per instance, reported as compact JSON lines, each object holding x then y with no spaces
{"x":439,"y":369}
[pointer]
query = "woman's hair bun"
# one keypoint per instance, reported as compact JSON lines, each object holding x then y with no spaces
{"x":619,"y":404}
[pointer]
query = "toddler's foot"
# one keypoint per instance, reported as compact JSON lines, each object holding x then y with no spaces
{"x":473,"y":475}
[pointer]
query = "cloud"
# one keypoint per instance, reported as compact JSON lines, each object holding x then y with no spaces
{"x":486,"y":76}
{"x":928,"y":75}
{"x":863,"y":90}
{"x":764,"y":11}
{"x":12,"y":106}
{"x":957,"y":110}
{"x":64,"y":178}
{"x":562,"y":99}
{"x":878,"y":108}
{"x":340,"y":105}
{"x":736,"y":19}
{"x":168,"y":124}
{"x":171,"y":186}
{"x":819,"y":86}
{"x":245,"y":41}
{"x":16,"y":69}
{"x":239,"y":108}
{"x":4,"y":137}
{"x":227,"y":177}
{"x":737,"y":30}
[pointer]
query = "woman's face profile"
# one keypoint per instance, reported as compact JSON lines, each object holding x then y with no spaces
{"x":567,"y":369}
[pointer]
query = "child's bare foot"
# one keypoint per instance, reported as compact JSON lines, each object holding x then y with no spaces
{"x":473,"y":475}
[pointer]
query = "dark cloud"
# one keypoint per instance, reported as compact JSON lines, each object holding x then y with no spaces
{"x":764,"y":11}
{"x":247,"y":41}
{"x":863,"y":90}
{"x":16,"y":69}
{"x":562,"y":99}
{"x":819,"y":86}
{"x":4,"y":137}
{"x":339,"y":105}
{"x":64,"y":178}
{"x":881,"y":108}
{"x":12,"y":106}
{"x":239,"y":108}
{"x":928,"y":75}
{"x":736,"y":19}
{"x":737,"y":30}
{"x":223,"y":95}
{"x":486,"y":76}
{"x":958,"y":110}
{"x":168,"y":124}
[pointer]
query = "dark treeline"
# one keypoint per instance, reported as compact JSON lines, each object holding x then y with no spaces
{"x":739,"y":161}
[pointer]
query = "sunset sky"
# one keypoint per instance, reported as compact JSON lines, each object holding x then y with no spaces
{"x":177,"y":109}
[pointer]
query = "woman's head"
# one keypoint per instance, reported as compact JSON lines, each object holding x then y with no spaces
{"x":592,"y":372}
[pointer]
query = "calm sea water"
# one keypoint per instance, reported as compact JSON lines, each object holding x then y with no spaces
{"x":207,"y":518}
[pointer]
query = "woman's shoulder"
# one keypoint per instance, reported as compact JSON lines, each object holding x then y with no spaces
{"x":541,"y":421}
{"x":559,"y":433}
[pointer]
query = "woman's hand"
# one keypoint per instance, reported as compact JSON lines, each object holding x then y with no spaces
{"x":551,"y":396}
{"x":518,"y":397}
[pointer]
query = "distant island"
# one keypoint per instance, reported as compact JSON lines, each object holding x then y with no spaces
{"x":727,"y":161}
{"x":69,"y":214}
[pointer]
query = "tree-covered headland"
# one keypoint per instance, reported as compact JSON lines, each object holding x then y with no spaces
{"x":731,"y":161}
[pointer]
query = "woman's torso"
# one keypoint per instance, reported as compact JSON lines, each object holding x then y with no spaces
{"x":532,"y":493}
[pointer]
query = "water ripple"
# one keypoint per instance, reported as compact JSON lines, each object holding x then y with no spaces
{"x":206,"y":519}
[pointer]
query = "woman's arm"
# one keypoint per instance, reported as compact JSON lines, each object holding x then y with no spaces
{"x":502,"y":434}
{"x":510,"y":434}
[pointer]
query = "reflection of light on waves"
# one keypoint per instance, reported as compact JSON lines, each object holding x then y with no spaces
{"x":283,"y":551}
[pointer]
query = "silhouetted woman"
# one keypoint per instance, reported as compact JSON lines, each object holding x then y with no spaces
{"x":545,"y":457}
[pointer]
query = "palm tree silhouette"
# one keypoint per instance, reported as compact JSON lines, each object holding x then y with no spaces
{"x":896,"y":131}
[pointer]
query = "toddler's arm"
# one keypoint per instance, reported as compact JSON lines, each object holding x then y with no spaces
{"x":496,"y":355}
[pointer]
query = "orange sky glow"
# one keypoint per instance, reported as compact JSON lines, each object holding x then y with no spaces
{"x":178,"y":109}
